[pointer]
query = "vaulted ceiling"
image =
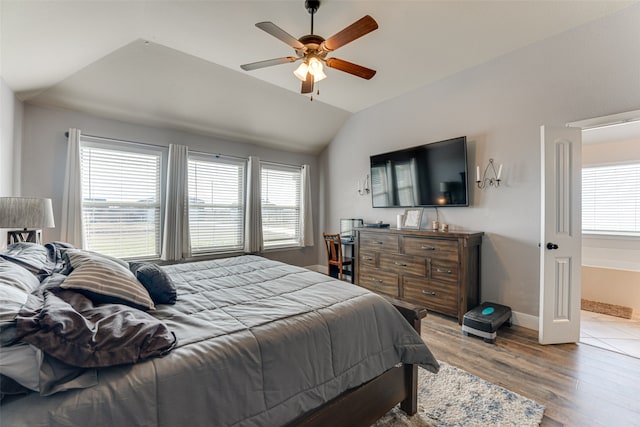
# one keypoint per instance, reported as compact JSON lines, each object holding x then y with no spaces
{"x":176,"y":64}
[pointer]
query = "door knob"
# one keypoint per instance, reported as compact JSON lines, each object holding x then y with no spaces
{"x":552,"y":246}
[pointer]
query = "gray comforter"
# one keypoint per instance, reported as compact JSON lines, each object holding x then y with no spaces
{"x":259,"y":343}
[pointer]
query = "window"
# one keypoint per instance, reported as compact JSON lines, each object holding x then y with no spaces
{"x":611,"y":199}
{"x":281,"y":202}
{"x":121,"y":198}
{"x":216,"y":203}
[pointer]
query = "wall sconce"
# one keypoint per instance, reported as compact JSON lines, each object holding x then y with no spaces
{"x":29,"y":214}
{"x":363,"y":187}
{"x":490,"y":176}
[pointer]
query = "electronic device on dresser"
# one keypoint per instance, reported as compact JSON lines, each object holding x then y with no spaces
{"x":434,"y":269}
{"x":348,"y":227}
{"x":432,"y":174}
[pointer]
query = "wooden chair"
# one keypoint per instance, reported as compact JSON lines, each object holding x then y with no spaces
{"x":336,"y":261}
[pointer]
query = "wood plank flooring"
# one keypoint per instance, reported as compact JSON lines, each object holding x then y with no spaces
{"x":579,"y":385}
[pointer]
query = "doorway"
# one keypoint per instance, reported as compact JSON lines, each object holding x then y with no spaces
{"x":611,"y":253}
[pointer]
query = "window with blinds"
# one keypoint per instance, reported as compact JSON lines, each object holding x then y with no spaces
{"x":611,"y":199}
{"x":121,"y":199}
{"x":281,"y":205}
{"x":216,"y":203}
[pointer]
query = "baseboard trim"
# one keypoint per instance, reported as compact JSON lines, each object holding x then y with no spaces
{"x":606,"y":308}
{"x":525,"y":320}
{"x":317,"y":267}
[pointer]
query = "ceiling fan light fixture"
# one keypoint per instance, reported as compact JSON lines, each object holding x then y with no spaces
{"x":315,"y":68}
{"x":301,"y":71}
{"x":318,"y":75}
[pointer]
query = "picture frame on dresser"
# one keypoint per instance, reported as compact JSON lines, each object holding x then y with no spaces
{"x":412,"y":219}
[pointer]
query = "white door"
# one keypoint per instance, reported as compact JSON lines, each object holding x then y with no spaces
{"x":561,"y":240}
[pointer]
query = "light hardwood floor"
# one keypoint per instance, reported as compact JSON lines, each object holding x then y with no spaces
{"x":579,"y":385}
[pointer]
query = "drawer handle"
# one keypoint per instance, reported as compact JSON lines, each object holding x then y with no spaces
{"x":428,"y":248}
{"x":429,"y":293}
{"x":378,"y":242}
{"x":401,"y":264}
{"x":376,"y":280}
{"x":367,"y":258}
{"x":439,"y":270}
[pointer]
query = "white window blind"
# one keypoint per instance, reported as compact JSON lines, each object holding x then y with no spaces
{"x":121,"y":199}
{"x":216,"y":203}
{"x":611,"y":199}
{"x":281,"y":189}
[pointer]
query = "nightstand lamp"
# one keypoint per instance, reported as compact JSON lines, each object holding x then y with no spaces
{"x":29,"y":214}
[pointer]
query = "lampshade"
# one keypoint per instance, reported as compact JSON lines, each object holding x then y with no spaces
{"x":26,"y":212}
{"x":315,"y":68}
{"x":301,"y":71}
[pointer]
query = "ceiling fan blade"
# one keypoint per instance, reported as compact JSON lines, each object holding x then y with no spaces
{"x":280,"y":34}
{"x":307,"y":85}
{"x":351,"y":68}
{"x":356,"y":30}
{"x":268,"y":63}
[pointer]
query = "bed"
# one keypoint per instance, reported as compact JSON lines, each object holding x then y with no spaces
{"x":256,"y":343}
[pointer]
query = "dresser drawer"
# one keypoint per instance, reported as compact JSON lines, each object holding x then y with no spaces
{"x":444,"y":271}
{"x":367,"y":259}
{"x":433,"y":248}
{"x":439,"y":297}
{"x":380,"y":281}
{"x":403,"y":264}
{"x":378,"y":242}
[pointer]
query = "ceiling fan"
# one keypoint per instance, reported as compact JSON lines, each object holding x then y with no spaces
{"x":312,"y":50}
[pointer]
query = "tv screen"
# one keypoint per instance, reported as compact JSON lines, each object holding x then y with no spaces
{"x":431,"y":175}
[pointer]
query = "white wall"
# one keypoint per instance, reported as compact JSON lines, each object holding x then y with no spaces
{"x":588,"y":72}
{"x":11,"y":112}
{"x":44,"y":159}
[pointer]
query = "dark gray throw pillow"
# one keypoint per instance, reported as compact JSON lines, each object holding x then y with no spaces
{"x":156,"y":281}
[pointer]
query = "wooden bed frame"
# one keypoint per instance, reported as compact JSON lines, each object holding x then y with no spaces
{"x":365,"y":404}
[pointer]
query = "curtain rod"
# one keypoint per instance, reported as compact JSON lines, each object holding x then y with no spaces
{"x":281,"y":164}
{"x":152,"y":145}
{"x":191,"y":151}
{"x":117,"y":140}
{"x":225,"y":156}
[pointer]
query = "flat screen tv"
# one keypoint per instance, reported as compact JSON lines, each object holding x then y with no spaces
{"x":429,"y":175}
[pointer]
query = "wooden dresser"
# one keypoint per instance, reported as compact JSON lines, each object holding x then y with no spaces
{"x":439,"y":270}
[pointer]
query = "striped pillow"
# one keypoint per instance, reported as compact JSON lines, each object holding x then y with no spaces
{"x":105,"y":281}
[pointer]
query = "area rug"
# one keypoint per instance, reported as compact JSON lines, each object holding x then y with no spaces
{"x":454,"y":397}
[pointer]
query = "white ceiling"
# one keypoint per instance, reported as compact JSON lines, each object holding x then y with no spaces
{"x":176,"y":63}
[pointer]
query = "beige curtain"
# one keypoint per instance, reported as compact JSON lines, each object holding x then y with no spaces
{"x":176,"y":243}
{"x":71,"y":224}
{"x":253,"y":221}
